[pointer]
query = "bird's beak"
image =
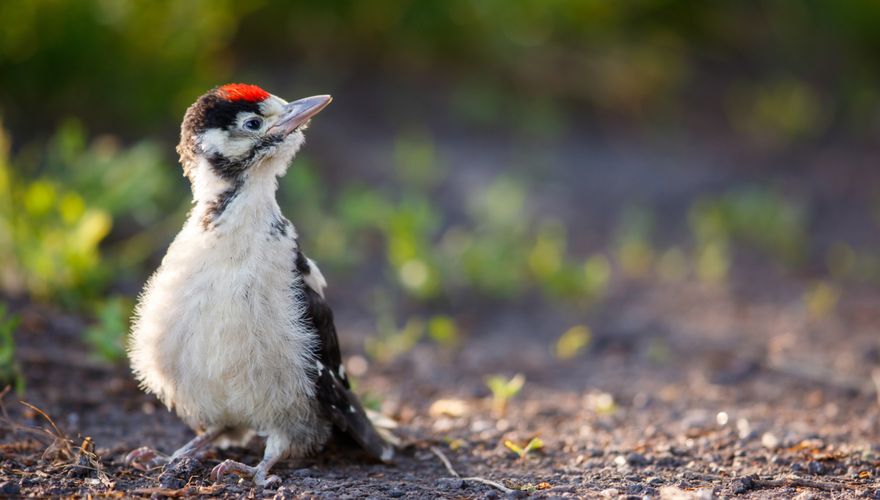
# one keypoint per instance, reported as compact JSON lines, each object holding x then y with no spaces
{"x":299,"y":112}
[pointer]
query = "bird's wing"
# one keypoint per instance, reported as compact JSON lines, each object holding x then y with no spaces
{"x":332,"y":387}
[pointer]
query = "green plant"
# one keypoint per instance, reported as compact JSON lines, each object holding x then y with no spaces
{"x":635,"y":254}
{"x":503,"y":389}
{"x":443,"y":330}
{"x":573,"y":341}
{"x":53,"y":225}
{"x":390,"y":341}
{"x":756,"y":216}
{"x":533,"y":444}
{"x":10,"y":370}
{"x":107,"y":336}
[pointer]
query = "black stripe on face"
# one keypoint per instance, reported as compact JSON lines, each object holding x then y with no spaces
{"x":233,"y":168}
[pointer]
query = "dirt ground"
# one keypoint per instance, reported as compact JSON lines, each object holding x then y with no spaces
{"x":747,"y":399}
{"x":686,"y":391}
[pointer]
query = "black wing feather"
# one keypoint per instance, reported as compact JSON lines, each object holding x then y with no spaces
{"x":333,"y":389}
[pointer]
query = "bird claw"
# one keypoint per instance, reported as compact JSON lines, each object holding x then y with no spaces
{"x":144,"y":459}
{"x":227,"y":467}
{"x":257,"y":474}
{"x":263,"y":481}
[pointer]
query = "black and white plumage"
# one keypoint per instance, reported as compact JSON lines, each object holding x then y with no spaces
{"x":233,"y":331}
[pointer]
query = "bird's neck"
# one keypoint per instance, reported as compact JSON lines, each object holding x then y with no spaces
{"x":233,"y":204}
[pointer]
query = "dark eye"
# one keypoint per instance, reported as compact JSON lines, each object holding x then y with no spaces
{"x":253,"y":124}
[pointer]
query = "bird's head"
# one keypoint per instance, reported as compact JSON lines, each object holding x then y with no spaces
{"x":237,"y":130}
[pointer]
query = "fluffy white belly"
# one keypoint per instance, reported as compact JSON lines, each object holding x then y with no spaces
{"x":219,"y":335}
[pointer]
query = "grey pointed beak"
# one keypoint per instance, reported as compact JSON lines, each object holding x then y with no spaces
{"x":299,"y":112}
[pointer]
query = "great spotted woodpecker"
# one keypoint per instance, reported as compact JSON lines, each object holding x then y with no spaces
{"x":233,"y":331}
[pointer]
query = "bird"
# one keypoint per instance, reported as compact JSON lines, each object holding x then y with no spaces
{"x":233,"y":331}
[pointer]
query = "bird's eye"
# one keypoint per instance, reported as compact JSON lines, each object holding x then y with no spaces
{"x":253,"y":124}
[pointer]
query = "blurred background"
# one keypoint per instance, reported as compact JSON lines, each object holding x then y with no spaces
{"x":511,"y":175}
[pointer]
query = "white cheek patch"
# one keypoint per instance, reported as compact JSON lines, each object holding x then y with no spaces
{"x":220,"y":141}
{"x":213,"y":140}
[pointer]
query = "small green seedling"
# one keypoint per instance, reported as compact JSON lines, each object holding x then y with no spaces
{"x":10,"y":371}
{"x":572,"y":342}
{"x":503,"y":390}
{"x":522,"y":452}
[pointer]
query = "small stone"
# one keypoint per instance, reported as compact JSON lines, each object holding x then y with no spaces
{"x":176,"y":474}
{"x":610,"y":493}
{"x":769,"y":441}
{"x":742,"y":485}
{"x":449,"y":484}
{"x":634,"y":489}
{"x":778,"y":460}
{"x":655,"y":481}
{"x":310,"y":482}
{"x":9,"y":488}
{"x":620,"y":460}
{"x":284,"y":493}
{"x":816,"y":468}
{"x":395,"y":492}
{"x":636,"y":459}
{"x":744,"y":428}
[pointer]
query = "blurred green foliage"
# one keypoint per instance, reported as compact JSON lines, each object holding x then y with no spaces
{"x":10,"y":370}
{"x":130,"y":66}
{"x":573,"y":341}
{"x":759,"y":217}
{"x":57,"y":207}
{"x":106,"y":336}
{"x":81,"y":216}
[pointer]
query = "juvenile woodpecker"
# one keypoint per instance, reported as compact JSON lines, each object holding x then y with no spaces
{"x":233,"y":331}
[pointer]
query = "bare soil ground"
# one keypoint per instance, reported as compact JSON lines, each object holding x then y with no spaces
{"x":747,"y":399}
{"x":686,"y":391}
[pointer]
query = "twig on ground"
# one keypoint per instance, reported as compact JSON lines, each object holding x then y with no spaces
{"x":791,"y":481}
{"x":186,"y":491}
{"x":473,"y":479}
{"x":445,"y":461}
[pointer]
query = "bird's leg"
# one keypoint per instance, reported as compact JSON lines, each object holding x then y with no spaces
{"x":197,"y":443}
{"x":145,"y":458}
{"x":275,"y":450}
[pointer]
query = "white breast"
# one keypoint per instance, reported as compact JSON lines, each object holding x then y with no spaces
{"x":219,"y":334}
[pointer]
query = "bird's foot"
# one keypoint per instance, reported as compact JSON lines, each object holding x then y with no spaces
{"x":258,"y":474}
{"x":145,"y":458}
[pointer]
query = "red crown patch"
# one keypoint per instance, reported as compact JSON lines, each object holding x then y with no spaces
{"x":243,"y":92}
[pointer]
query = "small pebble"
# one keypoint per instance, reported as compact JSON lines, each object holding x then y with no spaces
{"x":770,"y":441}
{"x":309,"y":482}
{"x":9,"y":488}
{"x":816,"y":468}
{"x":636,"y":459}
{"x":395,"y":492}
{"x":449,"y":484}
{"x":742,"y":485}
